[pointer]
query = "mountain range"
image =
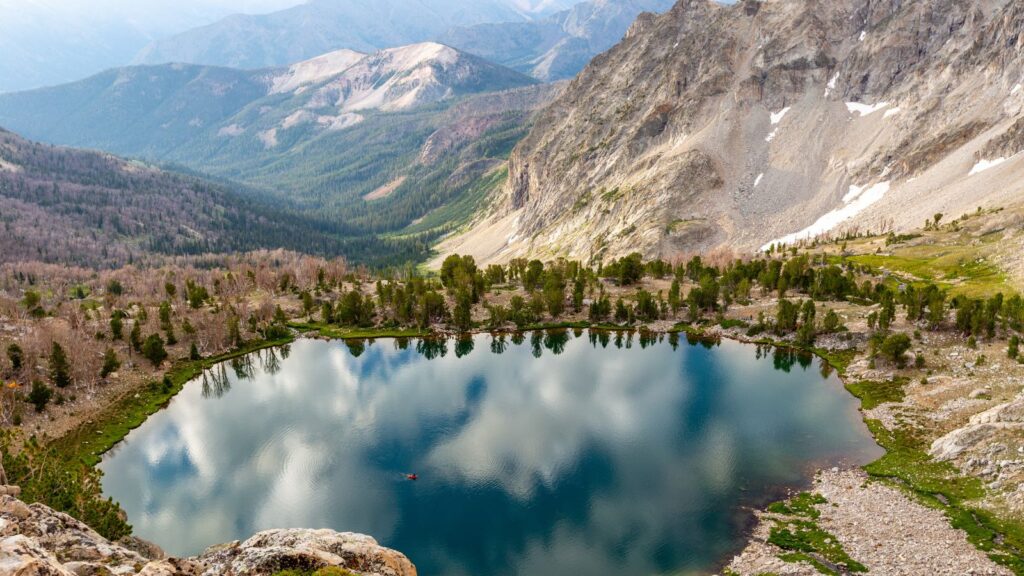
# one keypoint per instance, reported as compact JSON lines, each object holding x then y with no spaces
{"x":764,"y":123}
{"x":709,"y":127}
{"x":47,"y":42}
{"x":321,"y":26}
{"x":406,"y":140}
{"x":556,"y":47}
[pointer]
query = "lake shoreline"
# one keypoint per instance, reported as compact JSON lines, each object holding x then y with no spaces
{"x":838,"y":358}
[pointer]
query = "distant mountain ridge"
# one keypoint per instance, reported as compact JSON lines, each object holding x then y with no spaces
{"x":322,"y":26}
{"x":49,"y":42}
{"x":152,"y":110}
{"x":556,"y":47}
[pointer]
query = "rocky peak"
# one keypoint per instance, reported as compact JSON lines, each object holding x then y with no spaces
{"x":731,"y":126}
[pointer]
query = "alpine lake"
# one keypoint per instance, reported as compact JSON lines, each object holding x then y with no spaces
{"x":537,"y":454}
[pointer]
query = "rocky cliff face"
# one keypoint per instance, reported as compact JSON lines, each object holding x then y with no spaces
{"x":738,"y":126}
{"x":37,"y":541}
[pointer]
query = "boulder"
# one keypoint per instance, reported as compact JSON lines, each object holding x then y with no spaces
{"x":38,"y":541}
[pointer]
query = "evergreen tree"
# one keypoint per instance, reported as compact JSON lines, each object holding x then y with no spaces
{"x":135,"y":336}
{"x":832,"y":323}
{"x":116,"y":326}
{"x":40,"y":395}
{"x":895,"y":347}
{"x":111,"y":363}
{"x":674,"y":300}
{"x":153,"y":350}
{"x":462,"y":315}
{"x":234,"y":331}
{"x":16,"y":356}
{"x":60,"y":369}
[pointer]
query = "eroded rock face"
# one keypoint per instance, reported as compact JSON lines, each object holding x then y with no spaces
{"x":38,"y":541}
{"x":757,"y":119}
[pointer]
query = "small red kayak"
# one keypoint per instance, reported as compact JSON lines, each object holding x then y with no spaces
{"x":412,"y":477}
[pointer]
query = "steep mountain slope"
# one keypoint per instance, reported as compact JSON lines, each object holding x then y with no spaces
{"x":736,"y":126}
{"x":556,"y":47}
{"x":46,"y":42}
{"x":321,"y":26}
{"x":86,"y":208}
{"x":376,"y":142}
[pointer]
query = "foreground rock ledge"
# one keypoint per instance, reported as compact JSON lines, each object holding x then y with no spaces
{"x":38,"y":541}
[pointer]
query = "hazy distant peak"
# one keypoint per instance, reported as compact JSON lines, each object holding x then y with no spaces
{"x":315,"y":70}
{"x":417,"y":54}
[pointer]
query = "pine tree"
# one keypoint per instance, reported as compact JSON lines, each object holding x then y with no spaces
{"x":153,"y":350}
{"x":111,"y":363}
{"x":40,"y":395}
{"x":116,"y":326}
{"x":60,"y":369}
{"x":16,"y":356}
{"x":135,"y":336}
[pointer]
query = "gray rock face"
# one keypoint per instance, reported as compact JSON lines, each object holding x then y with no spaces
{"x":732,"y":126}
{"x":37,"y":541}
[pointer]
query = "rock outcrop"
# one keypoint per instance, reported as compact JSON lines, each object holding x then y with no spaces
{"x":734,"y":126}
{"x":37,"y":541}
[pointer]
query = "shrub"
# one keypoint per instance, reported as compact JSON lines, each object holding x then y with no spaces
{"x":40,"y":395}
{"x":153,"y":350}
{"x":111,"y":363}
{"x":895,"y":346}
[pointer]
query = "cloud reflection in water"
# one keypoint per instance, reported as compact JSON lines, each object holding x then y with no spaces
{"x":601,"y":460}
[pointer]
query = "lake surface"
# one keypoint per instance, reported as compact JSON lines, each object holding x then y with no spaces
{"x":543,"y":454}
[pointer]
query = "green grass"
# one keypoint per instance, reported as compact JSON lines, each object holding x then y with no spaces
{"x":802,"y":504}
{"x":941,"y":486}
{"x":838,"y":359}
{"x":873,"y":394}
{"x":907,"y":465}
{"x":960,"y":269}
{"x":804,"y":540}
{"x":91,"y":440}
{"x":346,"y":333}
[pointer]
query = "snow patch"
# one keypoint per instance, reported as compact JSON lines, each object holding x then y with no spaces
{"x":758,"y":179}
{"x":983,"y":165}
{"x":863,"y":35}
{"x":892,"y":112}
{"x":1016,"y":89}
{"x":831,"y":84}
{"x":858,"y":199}
{"x":865,"y":109}
{"x":771,"y":136}
{"x":778,"y":116}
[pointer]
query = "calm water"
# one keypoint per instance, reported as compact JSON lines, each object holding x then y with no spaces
{"x":548,"y":454}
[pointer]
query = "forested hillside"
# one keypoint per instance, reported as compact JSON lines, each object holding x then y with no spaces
{"x":85,"y":208}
